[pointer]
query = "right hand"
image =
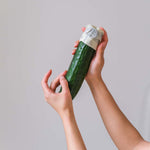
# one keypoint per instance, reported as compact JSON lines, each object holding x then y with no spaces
{"x":61,"y":102}
{"x":97,"y":62}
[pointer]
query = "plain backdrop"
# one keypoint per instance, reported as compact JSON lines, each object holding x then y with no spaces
{"x":38,"y":35}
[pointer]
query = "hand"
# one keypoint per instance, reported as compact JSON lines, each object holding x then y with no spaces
{"x":61,"y":102}
{"x":97,"y":62}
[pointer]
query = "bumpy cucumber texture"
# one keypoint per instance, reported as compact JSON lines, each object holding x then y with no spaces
{"x":79,"y":67}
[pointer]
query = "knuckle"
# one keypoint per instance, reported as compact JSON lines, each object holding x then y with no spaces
{"x":66,"y":83}
{"x":65,"y":92}
{"x":62,"y":79}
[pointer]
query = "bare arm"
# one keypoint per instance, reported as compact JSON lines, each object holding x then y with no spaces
{"x":62,"y":103}
{"x":73,"y":136}
{"x":122,"y":132}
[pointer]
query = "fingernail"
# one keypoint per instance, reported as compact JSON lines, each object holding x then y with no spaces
{"x":102,"y":28}
{"x":65,"y":72}
{"x":50,"y":71}
{"x":75,"y":44}
{"x":83,"y":28}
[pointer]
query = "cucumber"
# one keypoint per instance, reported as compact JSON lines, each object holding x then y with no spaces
{"x":81,"y":61}
{"x":79,"y":67}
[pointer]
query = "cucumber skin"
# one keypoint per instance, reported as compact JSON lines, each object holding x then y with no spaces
{"x":79,"y":67}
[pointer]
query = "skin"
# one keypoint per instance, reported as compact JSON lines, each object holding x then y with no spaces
{"x":123,"y":133}
{"x":62,"y":103}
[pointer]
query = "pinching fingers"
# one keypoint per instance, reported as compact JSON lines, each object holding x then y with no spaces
{"x":56,"y":81}
{"x":45,"y":80}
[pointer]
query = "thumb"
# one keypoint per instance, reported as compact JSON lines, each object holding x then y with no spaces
{"x":99,"y":51}
{"x":64,"y":83}
{"x":101,"y":47}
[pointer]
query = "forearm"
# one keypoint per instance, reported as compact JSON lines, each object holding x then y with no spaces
{"x":73,"y":136}
{"x":124,"y":135}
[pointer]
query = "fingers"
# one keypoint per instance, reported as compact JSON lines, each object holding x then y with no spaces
{"x":75,"y":46}
{"x":101,"y":47}
{"x":77,"y":42}
{"x":56,"y":81}
{"x":45,"y":80}
{"x":74,"y":51}
{"x":104,"y":38}
{"x":64,"y":84}
{"x":83,"y":29}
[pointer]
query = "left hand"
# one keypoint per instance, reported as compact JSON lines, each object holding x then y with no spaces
{"x":97,"y":62}
{"x":61,"y":102}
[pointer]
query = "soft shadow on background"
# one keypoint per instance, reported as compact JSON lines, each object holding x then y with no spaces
{"x":38,"y":35}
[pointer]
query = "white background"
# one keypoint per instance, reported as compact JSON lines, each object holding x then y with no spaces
{"x":38,"y":35}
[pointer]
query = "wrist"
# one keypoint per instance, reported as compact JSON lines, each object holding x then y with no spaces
{"x":96,"y":84}
{"x":67,"y":114}
{"x":94,"y":80}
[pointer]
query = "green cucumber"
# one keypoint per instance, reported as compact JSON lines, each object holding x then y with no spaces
{"x":81,"y":61}
{"x":79,"y":67}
